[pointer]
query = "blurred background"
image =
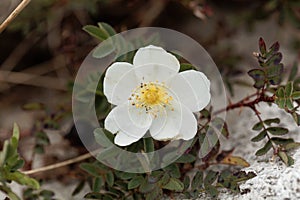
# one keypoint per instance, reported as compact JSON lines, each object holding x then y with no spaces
{"x":43,"y":47}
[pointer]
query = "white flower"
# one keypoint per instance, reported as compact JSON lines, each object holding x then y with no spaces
{"x":151,"y":95}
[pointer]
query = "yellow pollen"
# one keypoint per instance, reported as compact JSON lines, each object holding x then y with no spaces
{"x":151,"y":96}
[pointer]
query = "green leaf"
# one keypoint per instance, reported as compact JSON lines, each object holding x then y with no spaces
{"x":280,"y":92}
{"x":259,"y":77}
{"x":186,"y":158}
{"x":148,"y":144}
{"x":186,"y":182}
{"x":281,"y":102}
{"x":275,"y":59}
{"x":283,"y":156}
{"x":210,"y":143}
{"x":292,"y":145}
{"x":173,"y":170}
{"x":257,"y":74}
{"x":212,"y":191}
{"x":23,"y":179}
{"x":272,"y":120}
{"x":258,"y":126}
{"x":274,"y":74}
{"x":98,"y":183}
{"x":218,"y":123}
{"x":17,"y":165}
{"x":289,"y":104}
{"x":4,"y":152}
{"x":174,"y":185}
{"x":277,"y":130}
{"x":289,"y":89}
{"x":91,"y":169}
{"x":146,"y":187}
{"x":265,"y":149}
{"x":16,"y":136}
{"x":186,"y":66}
{"x":135,"y":182}
{"x":12,"y":160}
{"x":282,"y":141}
{"x":9,"y":193}
{"x":154,"y":195}
{"x":125,"y":175}
{"x":225,"y":130}
{"x":274,"y":48}
{"x":93,"y":195}
{"x":259,"y":84}
{"x":205,"y":147}
{"x":78,"y":188}
{"x":108,"y":28}
{"x":262,"y":46}
{"x":106,"y":153}
{"x":96,"y":32}
{"x":290,"y":161}
{"x":101,"y":137}
{"x":109,"y":177}
{"x":120,"y":184}
{"x":197,"y":180}
{"x":296,"y":95}
{"x":296,"y":118}
{"x":104,"y":49}
{"x":210,"y":177}
{"x":156,"y":176}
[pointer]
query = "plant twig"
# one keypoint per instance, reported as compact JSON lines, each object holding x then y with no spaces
{"x":57,"y":165}
{"x":14,"y":14}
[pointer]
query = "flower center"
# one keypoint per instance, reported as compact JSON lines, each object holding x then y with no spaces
{"x":152,"y":96}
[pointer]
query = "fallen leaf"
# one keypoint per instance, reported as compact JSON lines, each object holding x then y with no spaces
{"x":235,"y":160}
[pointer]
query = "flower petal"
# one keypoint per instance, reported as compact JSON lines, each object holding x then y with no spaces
{"x":165,"y":125}
{"x":122,"y":139}
{"x":176,"y":123}
{"x":119,"y":82}
{"x":188,"y":127}
{"x":129,"y":120}
{"x":192,"y":88}
{"x":110,"y":123}
{"x":154,"y":72}
{"x":155,"y":55}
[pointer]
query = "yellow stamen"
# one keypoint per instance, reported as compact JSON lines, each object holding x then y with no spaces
{"x":152,"y":96}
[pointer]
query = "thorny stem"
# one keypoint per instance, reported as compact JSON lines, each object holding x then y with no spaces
{"x":261,"y":97}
